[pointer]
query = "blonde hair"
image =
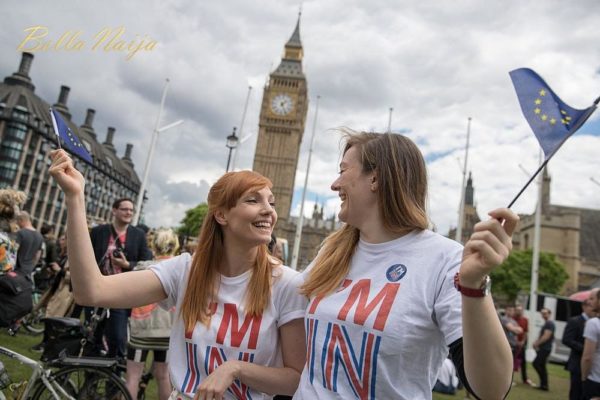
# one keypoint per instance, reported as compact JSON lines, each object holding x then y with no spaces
{"x":402,"y":195}
{"x":165,"y":242}
{"x":203,"y":281}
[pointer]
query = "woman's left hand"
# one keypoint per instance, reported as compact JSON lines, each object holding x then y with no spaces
{"x":488,"y":247}
{"x":215,"y":385}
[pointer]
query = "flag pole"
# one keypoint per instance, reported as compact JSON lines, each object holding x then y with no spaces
{"x":461,"y":206}
{"x":140,"y":198}
{"x":389,"y":128}
{"x":537,"y":231}
{"x":237,"y":149}
{"x":55,"y":128}
{"x":575,"y":127}
{"x":298,"y":235}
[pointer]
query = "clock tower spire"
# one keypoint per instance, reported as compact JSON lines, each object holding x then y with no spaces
{"x":281,"y":124}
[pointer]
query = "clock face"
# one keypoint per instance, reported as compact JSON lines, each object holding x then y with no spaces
{"x":281,"y":104}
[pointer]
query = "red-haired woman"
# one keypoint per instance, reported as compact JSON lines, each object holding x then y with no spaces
{"x":384,"y":311}
{"x":239,"y":331}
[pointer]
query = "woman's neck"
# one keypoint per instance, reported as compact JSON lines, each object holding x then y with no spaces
{"x":237,"y":259}
{"x":373,"y":231}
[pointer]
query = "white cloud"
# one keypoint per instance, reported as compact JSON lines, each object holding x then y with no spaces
{"x":435,"y":63}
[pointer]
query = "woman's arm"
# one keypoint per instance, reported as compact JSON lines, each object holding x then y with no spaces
{"x":90,"y":287}
{"x":589,"y":348}
{"x":270,"y":380}
{"x":487,"y":354}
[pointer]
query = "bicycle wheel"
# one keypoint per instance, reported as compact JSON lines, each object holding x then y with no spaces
{"x":84,"y":383}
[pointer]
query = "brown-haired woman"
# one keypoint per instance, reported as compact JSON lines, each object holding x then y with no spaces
{"x":239,"y":331}
{"x":383,"y":309}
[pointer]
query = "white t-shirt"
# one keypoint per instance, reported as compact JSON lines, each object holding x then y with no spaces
{"x":384,"y":333}
{"x":592,"y":332}
{"x":232,"y":335}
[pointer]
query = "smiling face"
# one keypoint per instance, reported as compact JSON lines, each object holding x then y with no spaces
{"x":123,"y":214}
{"x":252,"y":219}
{"x":356,"y":189}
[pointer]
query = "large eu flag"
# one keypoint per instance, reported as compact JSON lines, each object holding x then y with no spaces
{"x":71,"y":141}
{"x":551,"y":120}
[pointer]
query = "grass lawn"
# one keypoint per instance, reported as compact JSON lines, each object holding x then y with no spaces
{"x":22,"y":343}
{"x":559,"y":386}
{"x":559,"y":378}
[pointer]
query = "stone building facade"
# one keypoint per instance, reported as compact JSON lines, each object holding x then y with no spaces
{"x":26,"y":136}
{"x":570,"y":233}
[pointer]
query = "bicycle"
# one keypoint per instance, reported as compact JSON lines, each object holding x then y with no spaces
{"x":68,"y":362}
{"x":76,"y":378}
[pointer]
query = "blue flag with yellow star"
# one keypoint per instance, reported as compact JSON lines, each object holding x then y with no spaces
{"x":551,"y":120}
{"x":63,"y":132}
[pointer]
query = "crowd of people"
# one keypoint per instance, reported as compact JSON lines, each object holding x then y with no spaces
{"x":386,"y":304}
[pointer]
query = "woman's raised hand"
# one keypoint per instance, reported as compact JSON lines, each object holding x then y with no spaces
{"x":64,"y":173}
{"x":488,"y":247}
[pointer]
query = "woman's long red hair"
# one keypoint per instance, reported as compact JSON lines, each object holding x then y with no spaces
{"x":203,"y":282}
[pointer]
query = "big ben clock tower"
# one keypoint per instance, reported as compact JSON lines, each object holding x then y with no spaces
{"x":281,"y":124}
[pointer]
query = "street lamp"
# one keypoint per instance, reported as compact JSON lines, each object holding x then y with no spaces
{"x":232,"y":142}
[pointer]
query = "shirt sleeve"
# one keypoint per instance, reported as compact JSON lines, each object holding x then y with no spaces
{"x":447,"y":306}
{"x":171,"y":274}
{"x":286,"y":295}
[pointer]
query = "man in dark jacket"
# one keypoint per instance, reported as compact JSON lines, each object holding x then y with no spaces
{"x":118,"y":247}
{"x":573,"y":339}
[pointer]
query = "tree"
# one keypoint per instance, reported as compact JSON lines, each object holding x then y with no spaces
{"x":191,"y":223}
{"x":514,"y":275}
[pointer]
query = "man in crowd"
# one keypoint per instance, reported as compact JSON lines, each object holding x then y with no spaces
{"x":573,"y":339}
{"x":30,"y":245}
{"x":520,"y":356}
{"x":118,"y":246}
{"x":511,"y":328}
{"x":543,"y":347}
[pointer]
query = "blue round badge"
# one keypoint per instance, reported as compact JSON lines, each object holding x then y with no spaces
{"x":395,"y":272}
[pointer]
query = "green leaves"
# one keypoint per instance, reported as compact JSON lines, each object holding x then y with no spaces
{"x":191,"y":223}
{"x":514,"y":275}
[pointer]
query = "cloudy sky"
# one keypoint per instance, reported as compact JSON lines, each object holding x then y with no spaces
{"x":435,"y":63}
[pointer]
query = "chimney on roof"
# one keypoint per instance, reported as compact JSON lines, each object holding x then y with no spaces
{"x":21,"y":77}
{"x":25,"y":66}
{"x":128,"y":149}
{"x":108,"y":143}
{"x":110,"y":134}
{"x":127,"y":157}
{"x":89,"y":118}
{"x":64,"y":95}
{"x":61,"y":104}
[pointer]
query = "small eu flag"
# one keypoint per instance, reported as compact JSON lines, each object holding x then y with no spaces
{"x":551,"y":120}
{"x":63,"y":132}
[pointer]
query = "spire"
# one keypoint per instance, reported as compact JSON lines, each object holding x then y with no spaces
{"x":546,"y":190}
{"x":291,"y":63}
{"x":295,"y":38}
{"x":469,"y":191}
